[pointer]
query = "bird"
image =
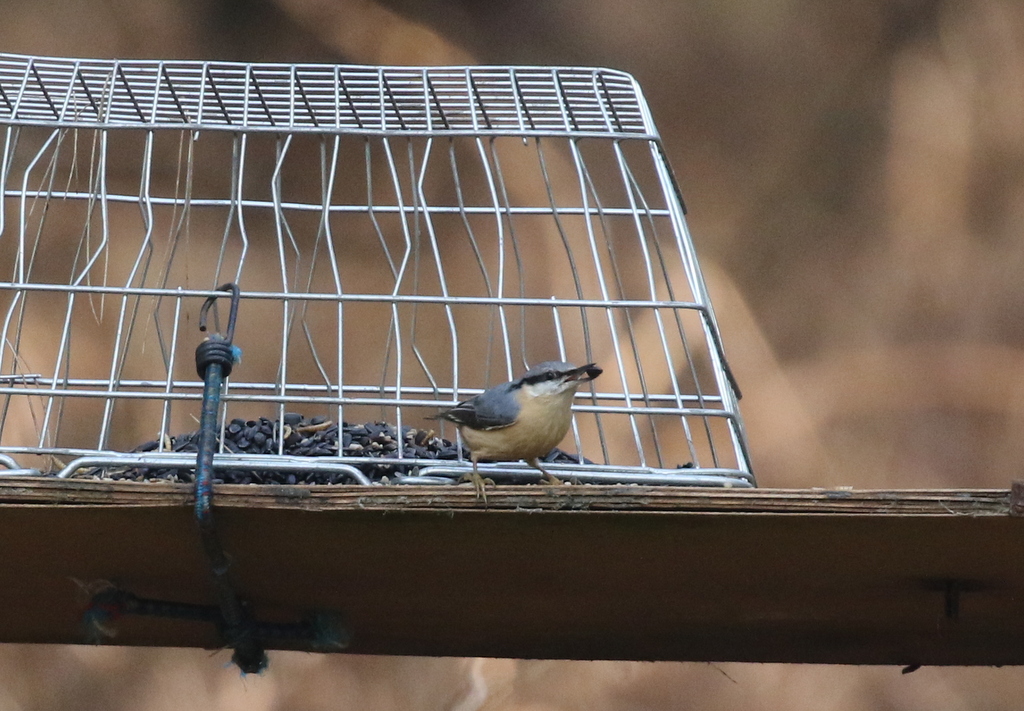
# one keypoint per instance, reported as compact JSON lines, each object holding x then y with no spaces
{"x":521,"y":419}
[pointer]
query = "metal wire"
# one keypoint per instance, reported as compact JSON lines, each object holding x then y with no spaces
{"x":403,"y":238}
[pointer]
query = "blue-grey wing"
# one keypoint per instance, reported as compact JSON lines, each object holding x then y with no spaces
{"x":490,"y":410}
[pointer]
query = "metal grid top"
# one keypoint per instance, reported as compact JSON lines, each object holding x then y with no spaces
{"x":321,"y":98}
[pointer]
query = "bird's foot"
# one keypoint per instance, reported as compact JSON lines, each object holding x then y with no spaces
{"x":479,"y":483}
{"x":551,"y":480}
{"x":546,"y":477}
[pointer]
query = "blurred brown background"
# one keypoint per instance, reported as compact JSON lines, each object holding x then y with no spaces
{"x":855,"y":178}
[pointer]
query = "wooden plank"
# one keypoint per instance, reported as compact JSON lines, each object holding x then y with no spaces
{"x":551,"y":572}
{"x":47,"y":491}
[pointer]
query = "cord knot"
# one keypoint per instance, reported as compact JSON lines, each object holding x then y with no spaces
{"x":219,"y":350}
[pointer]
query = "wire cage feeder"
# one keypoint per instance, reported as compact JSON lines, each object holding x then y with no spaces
{"x":402,"y":238}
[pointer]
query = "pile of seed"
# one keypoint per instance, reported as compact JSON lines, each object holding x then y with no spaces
{"x":376,"y":442}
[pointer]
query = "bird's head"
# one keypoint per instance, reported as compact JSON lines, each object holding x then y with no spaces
{"x":553,"y":377}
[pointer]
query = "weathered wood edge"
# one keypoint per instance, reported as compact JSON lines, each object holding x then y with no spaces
{"x":46,"y":491}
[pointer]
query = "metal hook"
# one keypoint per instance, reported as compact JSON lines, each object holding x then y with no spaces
{"x":203,"y":312}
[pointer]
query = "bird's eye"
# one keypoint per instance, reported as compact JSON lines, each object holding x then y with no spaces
{"x":542,"y":376}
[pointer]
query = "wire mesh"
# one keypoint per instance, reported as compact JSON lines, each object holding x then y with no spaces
{"x":402,"y":238}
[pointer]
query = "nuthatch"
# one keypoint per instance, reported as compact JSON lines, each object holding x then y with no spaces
{"x":521,"y":419}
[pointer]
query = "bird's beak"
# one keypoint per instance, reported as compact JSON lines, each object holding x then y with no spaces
{"x":585,"y":373}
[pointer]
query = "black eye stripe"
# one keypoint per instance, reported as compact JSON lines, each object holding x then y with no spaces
{"x":542,"y":377}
